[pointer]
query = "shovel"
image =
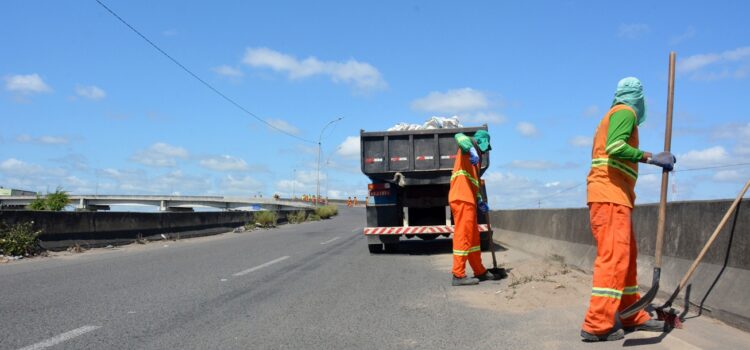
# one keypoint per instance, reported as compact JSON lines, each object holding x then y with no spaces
{"x":649,"y":297}
{"x":496,"y":271}
{"x":666,"y":312}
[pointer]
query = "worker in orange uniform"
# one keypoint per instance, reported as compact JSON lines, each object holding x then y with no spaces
{"x":354,"y":203}
{"x":610,"y":191}
{"x":465,"y":198}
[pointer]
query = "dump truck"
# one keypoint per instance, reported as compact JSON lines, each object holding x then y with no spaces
{"x":410,"y":173}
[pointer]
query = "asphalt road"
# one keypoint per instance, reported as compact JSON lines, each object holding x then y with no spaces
{"x":307,"y":286}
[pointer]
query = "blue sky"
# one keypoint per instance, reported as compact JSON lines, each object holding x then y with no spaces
{"x":88,"y":105}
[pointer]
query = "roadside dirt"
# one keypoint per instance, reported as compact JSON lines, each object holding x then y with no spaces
{"x":82,"y":251}
{"x":536,"y":285}
{"x":533,"y":283}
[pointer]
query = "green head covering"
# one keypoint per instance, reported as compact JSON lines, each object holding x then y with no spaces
{"x":483,"y":140}
{"x":630,"y":92}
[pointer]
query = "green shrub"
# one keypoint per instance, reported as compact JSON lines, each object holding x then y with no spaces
{"x":54,"y":201}
{"x":296,"y":217}
{"x":313,"y":217}
{"x":266,"y":218}
{"x":57,"y":200}
{"x":327,"y":211}
{"x":19,"y":239}
{"x":38,"y":204}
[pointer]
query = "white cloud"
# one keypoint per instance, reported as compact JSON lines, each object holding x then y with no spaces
{"x":733,"y":131}
{"x":228,"y":71}
{"x":245,"y":185}
{"x":632,"y":31}
{"x":292,"y":187}
{"x":716,"y":155}
{"x":14,"y":166}
{"x":591,"y":111}
{"x":46,"y":140}
{"x":169,"y":32}
{"x":452,"y":101}
{"x":508,"y":190}
{"x":362,"y":75}
{"x":538,"y":165}
{"x":26,"y":84}
{"x":283,"y":125}
{"x":527,"y":129}
{"x":91,"y":92}
{"x":581,"y":141}
{"x":224,"y":163}
{"x":160,"y":155}
{"x":727,"y":60}
{"x":484,"y":118}
{"x":688,"y":34}
{"x":350,"y":147}
{"x":137,"y":181}
{"x":729,"y":176}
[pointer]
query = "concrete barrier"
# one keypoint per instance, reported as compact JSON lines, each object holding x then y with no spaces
{"x":97,"y":229}
{"x":720,"y":284}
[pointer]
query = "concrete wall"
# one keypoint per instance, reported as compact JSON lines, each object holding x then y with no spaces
{"x":721,"y":282}
{"x":93,"y":229}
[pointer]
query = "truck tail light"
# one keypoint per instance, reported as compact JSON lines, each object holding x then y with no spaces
{"x":379,"y":190}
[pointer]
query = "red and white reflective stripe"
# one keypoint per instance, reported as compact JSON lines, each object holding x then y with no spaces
{"x":401,"y":230}
{"x":399,"y":159}
{"x":425,"y":158}
{"x":452,"y":156}
{"x":373,"y":160}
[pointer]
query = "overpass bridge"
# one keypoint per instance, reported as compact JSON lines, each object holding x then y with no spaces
{"x":164,"y":203}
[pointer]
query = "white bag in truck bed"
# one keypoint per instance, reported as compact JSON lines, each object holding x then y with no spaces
{"x":432,"y":123}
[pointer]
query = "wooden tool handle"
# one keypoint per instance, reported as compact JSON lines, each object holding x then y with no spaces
{"x":714,"y":235}
{"x":665,"y":173}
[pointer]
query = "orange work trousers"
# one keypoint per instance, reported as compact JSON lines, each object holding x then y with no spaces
{"x":615,"y":285}
{"x":466,"y":239}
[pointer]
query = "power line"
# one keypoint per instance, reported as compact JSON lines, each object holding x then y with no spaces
{"x":215,"y":90}
{"x":538,"y":200}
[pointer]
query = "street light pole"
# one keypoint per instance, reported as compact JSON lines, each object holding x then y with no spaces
{"x":320,"y":138}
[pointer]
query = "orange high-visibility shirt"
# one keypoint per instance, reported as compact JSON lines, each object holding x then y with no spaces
{"x":464,"y":180}
{"x":611,"y":180}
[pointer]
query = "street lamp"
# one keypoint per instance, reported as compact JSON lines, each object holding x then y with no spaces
{"x":294,"y":181}
{"x":317,"y":191}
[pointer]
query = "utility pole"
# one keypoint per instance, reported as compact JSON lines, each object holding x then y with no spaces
{"x":317,"y":192}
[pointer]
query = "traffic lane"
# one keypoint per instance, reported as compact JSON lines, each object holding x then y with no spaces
{"x":48,"y":299}
{"x":345,"y":298}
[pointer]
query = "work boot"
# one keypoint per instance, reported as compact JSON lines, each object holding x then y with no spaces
{"x":651,"y":325}
{"x":613,"y":335}
{"x":465,"y":281}
{"x":487,"y":275}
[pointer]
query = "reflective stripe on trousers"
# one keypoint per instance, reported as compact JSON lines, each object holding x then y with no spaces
{"x":615,"y":285}
{"x":466,"y":239}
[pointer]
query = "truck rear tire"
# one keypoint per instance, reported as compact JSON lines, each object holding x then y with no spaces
{"x":375,"y":248}
{"x":391,"y":247}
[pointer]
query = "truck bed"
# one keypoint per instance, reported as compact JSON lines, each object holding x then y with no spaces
{"x":412,"y":157}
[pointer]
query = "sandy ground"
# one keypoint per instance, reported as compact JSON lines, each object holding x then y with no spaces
{"x":554,"y":297}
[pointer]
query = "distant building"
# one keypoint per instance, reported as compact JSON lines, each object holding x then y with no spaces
{"x":15,"y":192}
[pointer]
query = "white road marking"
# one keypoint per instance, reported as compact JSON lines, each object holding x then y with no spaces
{"x":245,"y":272}
{"x":330,"y":240}
{"x":61,"y":338}
{"x":223,"y":279}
